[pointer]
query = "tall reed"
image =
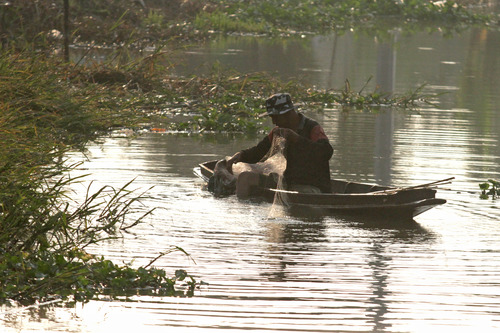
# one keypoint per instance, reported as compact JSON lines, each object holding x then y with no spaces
{"x":43,"y":231}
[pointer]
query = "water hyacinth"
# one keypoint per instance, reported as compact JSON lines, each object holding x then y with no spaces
{"x":490,"y":188}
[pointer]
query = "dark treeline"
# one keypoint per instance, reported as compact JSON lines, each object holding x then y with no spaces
{"x":101,"y":21}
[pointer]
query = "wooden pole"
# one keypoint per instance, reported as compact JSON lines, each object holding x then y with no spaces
{"x":66,"y":30}
{"x":399,"y":189}
{"x":429,"y":184}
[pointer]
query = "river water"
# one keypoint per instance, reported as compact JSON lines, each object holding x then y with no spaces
{"x":319,"y":273}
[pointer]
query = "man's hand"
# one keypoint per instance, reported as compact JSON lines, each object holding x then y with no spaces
{"x":232,"y":160}
{"x":286,"y":133}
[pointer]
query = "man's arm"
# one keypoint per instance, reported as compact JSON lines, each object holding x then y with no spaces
{"x":319,"y":144}
{"x":256,"y":153}
{"x":250,"y":155}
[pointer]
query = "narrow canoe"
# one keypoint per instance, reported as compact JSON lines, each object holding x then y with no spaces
{"x":352,"y":198}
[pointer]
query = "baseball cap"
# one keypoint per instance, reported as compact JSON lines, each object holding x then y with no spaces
{"x":279,"y":104}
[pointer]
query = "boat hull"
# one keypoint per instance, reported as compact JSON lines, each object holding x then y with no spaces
{"x":350,"y":198}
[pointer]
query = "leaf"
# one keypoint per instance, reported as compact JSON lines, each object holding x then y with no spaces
{"x":484,"y":186}
{"x":483,"y":196}
{"x":180,"y":274}
{"x":494,"y":182}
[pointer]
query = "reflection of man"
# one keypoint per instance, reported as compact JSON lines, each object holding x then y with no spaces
{"x":307,"y":153}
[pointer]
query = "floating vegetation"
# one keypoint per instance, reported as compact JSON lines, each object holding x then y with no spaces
{"x":490,"y":188}
{"x":226,"y":101}
{"x":348,"y":98}
{"x":81,"y":102}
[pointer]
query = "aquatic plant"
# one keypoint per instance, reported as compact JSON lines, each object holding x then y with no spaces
{"x":490,"y":188}
{"x":227,"y":101}
{"x":223,"y":100}
{"x":79,"y":277}
{"x":348,"y":98}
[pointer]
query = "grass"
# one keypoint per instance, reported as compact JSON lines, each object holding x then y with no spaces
{"x":48,"y":109}
{"x":319,"y":16}
{"x":220,"y":21}
{"x":28,"y":23}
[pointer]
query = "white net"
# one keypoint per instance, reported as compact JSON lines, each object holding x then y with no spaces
{"x":273,"y":164}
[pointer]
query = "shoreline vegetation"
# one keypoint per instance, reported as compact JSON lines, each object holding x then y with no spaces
{"x":50,"y":107}
{"x":44,"y":233}
{"x":151,"y":22}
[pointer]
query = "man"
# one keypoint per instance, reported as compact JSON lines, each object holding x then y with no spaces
{"x":307,"y":153}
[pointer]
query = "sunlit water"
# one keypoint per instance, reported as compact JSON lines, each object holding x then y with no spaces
{"x":318,"y":273}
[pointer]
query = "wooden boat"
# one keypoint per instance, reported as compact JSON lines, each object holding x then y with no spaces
{"x":353,"y":198}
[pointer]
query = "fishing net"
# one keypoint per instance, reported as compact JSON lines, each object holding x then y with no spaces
{"x":272,"y":165}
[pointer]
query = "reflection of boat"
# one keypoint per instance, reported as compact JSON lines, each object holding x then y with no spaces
{"x":352,"y":198}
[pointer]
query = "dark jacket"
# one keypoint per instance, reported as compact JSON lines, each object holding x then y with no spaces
{"x":307,"y":159}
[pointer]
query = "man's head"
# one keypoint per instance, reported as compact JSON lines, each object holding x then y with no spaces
{"x":280,"y":108}
{"x":280,"y":103}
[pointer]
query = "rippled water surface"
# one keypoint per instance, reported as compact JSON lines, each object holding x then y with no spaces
{"x":319,"y":273}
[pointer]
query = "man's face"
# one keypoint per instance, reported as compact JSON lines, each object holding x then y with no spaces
{"x":282,"y":120}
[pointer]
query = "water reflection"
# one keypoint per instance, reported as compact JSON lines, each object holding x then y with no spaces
{"x":384,"y":123}
{"x":294,"y":245}
{"x":384,"y":132}
{"x":480,"y":81}
{"x":286,"y":239}
{"x":379,"y":263}
{"x":393,"y":230}
{"x":386,"y":65}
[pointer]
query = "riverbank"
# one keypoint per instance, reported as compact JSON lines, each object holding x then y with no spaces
{"x":45,"y":113}
{"x":154,"y":22}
